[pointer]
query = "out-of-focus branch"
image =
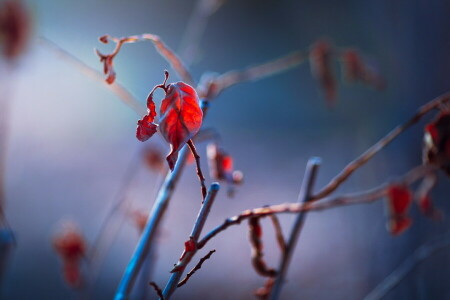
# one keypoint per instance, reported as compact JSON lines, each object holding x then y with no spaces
{"x":195,"y":28}
{"x":369,"y":153}
{"x":324,"y":204}
{"x":422,"y":253}
{"x":304,"y":197}
{"x":216,"y":85}
{"x":170,"y":56}
{"x":197,"y":267}
{"x":157,"y":289}
{"x":121,"y":92}
{"x":278,"y":232}
{"x":190,"y":248}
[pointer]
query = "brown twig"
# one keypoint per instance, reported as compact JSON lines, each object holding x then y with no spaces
{"x":197,"y":267}
{"x":200,"y":175}
{"x":369,"y":153}
{"x":121,"y":92}
{"x":157,"y":289}
{"x":278,"y":233}
{"x":255,"y":234}
{"x":170,"y":56}
{"x":324,"y":204}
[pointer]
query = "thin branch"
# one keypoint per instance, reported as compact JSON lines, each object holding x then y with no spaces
{"x":324,"y":204}
{"x":369,"y":153}
{"x":170,"y":56}
{"x":157,"y":289}
{"x":121,"y":92}
{"x":419,"y":255}
{"x":255,"y":234}
{"x":191,"y":145}
{"x":257,"y":72}
{"x":304,"y":197}
{"x":191,"y":245}
{"x":278,"y":233}
{"x":197,"y":267}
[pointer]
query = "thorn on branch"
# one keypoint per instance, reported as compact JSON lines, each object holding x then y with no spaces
{"x":198,"y":266}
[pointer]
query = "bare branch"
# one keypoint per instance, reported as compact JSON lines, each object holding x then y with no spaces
{"x":369,"y":153}
{"x":324,"y":204}
{"x":422,"y":253}
{"x":278,"y":232}
{"x":190,"y":248}
{"x":170,"y":56}
{"x":198,"y":266}
{"x":200,"y":175}
{"x":157,"y":289}
{"x":121,"y":92}
{"x":303,"y":198}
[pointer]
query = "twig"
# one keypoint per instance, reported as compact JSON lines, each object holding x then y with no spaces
{"x":157,"y":289}
{"x":304,"y":197}
{"x":255,"y":234}
{"x":169,"y":55}
{"x":258,"y":72}
{"x":121,"y":92}
{"x":369,"y":153}
{"x":278,"y":233}
{"x":191,"y":145}
{"x":324,"y":204}
{"x":419,"y":255}
{"x":198,"y":266}
{"x":191,"y":244}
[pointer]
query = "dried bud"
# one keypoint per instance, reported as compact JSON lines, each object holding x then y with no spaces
{"x":15,"y":27}
{"x":356,"y":70}
{"x":321,"y":55}
{"x":436,"y":150}
{"x":108,"y":66}
{"x":399,"y":200}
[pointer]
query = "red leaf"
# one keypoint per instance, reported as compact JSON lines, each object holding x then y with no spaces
{"x":181,"y":117}
{"x":70,"y":245}
{"x":153,"y":158}
{"x":399,"y":199}
{"x":72,"y":274}
{"x":146,"y":128}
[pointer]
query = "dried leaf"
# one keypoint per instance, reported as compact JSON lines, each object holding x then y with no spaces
{"x":180,"y":117}
{"x":436,"y":150}
{"x":146,"y":128}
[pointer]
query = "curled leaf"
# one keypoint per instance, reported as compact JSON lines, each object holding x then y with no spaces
{"x":146,"y":128}
{"x":321,"y":55}
{"x":399,"y":199}
{"x":436,"y":149}
{"x":108,"y":67}
{"x":180,"y":117}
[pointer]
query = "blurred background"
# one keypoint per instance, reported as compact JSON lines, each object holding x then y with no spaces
{"x":71,"y":142}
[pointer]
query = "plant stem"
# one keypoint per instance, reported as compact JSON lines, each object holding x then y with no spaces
{"x":304,"y":197}
{"x":200,"y":175}
{"x":369,"y":153}
{"x":187,"y":255}
{"x":422,"y":253}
